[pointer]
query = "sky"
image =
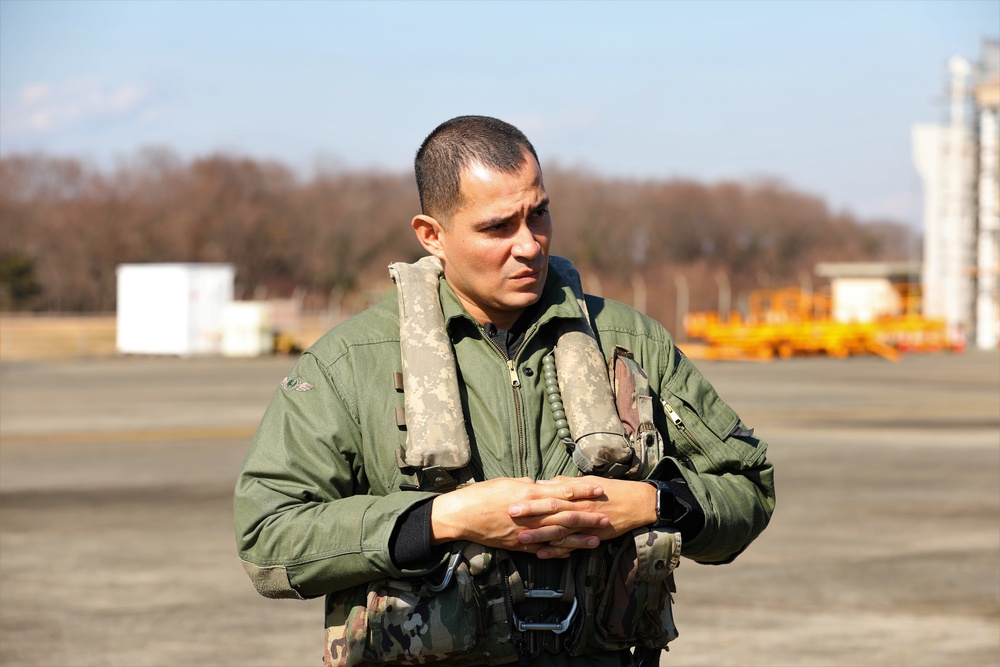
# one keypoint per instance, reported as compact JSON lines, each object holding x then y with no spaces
{"x":820,"y":95}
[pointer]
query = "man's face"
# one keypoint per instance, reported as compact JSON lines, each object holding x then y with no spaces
{"x":495,"y":247}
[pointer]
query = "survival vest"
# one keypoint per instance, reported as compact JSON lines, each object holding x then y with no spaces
{"x":614,"y":597}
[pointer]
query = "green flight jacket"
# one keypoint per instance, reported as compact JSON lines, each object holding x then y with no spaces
{"x":318,"y":497}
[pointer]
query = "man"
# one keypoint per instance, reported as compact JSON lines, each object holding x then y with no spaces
{"x":497,"y":548}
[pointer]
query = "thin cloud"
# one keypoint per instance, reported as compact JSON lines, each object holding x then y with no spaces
{"x":42,"y":107}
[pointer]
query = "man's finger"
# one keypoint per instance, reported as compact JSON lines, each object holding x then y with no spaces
{"x":558,"y":526}
{"x":572,"y":488}
{"x":551,"y":512}
{"x":553,"y":552}
{"x":565,"y":547}
{"x":549,"y":504}
{"x":543,"y":534}
{"x":558,"y":479}
{"x":576,"y":541}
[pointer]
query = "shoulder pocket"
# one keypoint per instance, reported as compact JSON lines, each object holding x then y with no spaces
{"x":701,"y":421}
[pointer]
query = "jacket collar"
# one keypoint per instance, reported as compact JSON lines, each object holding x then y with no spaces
{"x":556,"y":302}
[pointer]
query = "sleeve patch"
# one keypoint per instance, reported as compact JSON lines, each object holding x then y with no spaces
{"x":295,"y":383}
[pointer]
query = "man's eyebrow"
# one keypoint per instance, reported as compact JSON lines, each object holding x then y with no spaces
{"x":540,"y":205}
{"x":486,"y":224}
{"x":500,"y":220}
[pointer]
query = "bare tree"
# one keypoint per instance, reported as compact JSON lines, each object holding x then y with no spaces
{"x":69,"y":224}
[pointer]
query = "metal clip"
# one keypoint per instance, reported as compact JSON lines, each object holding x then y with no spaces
{"x":557,"y":628}
{"x":448,"y":574}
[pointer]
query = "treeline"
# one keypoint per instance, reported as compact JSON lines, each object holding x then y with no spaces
{"x":327,"y":238}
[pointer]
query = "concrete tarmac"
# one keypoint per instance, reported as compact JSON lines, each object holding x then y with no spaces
{"x":117,"y":547}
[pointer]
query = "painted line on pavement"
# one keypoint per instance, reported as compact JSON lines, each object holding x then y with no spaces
{"x":133,"y":435}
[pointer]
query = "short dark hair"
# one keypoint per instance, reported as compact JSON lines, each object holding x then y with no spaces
{"x":453,"y":146}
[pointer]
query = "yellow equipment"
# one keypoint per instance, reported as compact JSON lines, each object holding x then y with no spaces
{"x":790,"y":322}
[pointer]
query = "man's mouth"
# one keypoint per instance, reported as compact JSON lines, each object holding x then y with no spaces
{"x":525,"y":275}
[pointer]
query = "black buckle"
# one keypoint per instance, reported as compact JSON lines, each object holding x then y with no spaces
{"x":436,"y":478}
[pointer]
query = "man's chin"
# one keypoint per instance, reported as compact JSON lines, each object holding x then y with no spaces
{"x":524,"y":299}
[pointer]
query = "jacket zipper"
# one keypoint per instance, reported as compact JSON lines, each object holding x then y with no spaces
{"x":515,"y":384}
{"x":679,"y":423}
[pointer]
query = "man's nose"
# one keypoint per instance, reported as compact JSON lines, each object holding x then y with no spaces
{"x":525,"y":243}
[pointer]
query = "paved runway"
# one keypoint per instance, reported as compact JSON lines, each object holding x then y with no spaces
{"x":116,"y":545}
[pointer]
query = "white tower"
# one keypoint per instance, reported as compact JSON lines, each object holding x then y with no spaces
{"x":945,"y":158}
{"x":987,"y":97}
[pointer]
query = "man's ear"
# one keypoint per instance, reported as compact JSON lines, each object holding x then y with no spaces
{"x":428,"y":231}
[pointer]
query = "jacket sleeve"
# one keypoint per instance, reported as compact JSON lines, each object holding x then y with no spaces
{"x":306,"y":520}
{"x":724,"y":465}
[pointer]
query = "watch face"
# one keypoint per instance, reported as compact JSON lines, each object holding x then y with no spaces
{"x":664,"y":503}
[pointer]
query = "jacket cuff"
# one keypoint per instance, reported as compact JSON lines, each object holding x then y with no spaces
{"x":410,"y":544}
{"x":692,"y":520}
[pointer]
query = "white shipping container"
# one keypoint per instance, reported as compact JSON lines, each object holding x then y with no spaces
{"x":247,"y":329}
{"x":864,"y":299}
{"x":174,"y":309}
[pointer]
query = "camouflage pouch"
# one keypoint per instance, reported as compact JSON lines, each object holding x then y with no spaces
{"x":421,"y":622}
{"x":627,"y":593}
{"x":634,"y":404}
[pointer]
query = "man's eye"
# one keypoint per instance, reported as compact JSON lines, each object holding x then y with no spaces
{"x":539,"y":212}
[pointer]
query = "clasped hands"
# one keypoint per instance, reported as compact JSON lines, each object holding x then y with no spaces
{"x":549,"y":518}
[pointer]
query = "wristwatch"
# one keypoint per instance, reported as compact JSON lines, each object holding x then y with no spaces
{"x":668,"y":510}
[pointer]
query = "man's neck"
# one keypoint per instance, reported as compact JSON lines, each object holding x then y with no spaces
{"x":510,"y":339}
